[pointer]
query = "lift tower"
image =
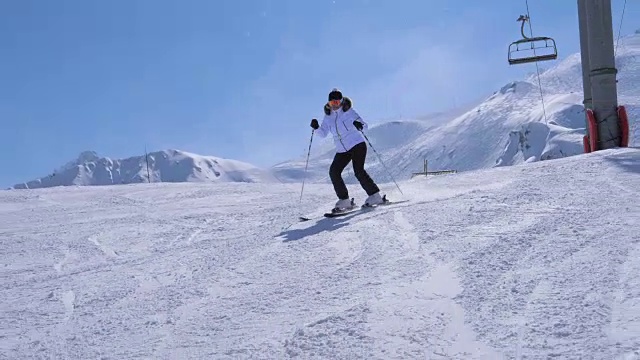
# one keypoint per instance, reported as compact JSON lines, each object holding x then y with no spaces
{"x":607,"y":125}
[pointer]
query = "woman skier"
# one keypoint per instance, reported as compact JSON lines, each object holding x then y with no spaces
{"x":346,"y":125}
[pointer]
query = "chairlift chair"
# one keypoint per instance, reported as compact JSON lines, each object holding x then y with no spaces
{"x":543,"y":44}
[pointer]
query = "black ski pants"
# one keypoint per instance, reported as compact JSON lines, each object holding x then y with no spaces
{"x":357,"y":154}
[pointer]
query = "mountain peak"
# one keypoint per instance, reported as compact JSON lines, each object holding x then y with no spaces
{"x":84,"y":157}
{"x":88,"y":155}
{"x":170,"y":165}
{"x":516,"y":86}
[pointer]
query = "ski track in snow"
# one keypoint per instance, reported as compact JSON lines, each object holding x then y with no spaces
{"x":491,"y":264}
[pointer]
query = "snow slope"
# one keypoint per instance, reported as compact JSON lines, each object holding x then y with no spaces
{"x":164,"y":166}
{"x":509,"y":262}
{"x":507,"y":128}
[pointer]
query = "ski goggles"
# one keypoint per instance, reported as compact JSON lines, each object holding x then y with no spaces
{"x":335,"y":102}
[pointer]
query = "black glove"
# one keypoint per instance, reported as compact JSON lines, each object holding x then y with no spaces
{"x":358,"y":125}
{"x":314,"y":124}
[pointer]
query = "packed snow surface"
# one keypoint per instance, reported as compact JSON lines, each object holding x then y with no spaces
{"x":538,"y":260}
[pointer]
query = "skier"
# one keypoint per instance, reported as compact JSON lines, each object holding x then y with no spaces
{"x":346,"y":125}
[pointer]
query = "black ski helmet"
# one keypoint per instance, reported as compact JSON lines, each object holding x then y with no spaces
{"x":335,"y":94}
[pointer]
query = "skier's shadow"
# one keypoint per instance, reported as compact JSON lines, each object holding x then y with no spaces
{"x":324,"y":224}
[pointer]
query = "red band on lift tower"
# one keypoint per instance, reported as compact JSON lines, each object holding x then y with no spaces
{"x":585,"y":144}
{"x":592,"y":130}
{"x":624,"y":126}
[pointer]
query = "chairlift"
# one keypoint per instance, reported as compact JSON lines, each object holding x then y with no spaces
{"x":542,"y":44}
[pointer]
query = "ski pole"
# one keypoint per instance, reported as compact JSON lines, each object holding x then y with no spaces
{"x":381,"y":162}
{"x":307,"y":164}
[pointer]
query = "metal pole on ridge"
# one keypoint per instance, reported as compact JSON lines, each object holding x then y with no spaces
{"x":307,"y":164}
{"x":381,"y":162}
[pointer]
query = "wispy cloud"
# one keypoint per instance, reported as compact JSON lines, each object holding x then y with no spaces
{"x":407,"y":71}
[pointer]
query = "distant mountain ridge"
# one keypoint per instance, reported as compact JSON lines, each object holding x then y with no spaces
{"x":163,"y":166}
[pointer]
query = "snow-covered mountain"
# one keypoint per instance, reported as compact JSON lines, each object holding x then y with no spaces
{"x":507,"y":128}
{"x":163,"y":166}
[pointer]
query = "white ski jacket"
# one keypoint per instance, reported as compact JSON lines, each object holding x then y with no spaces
{"x":340,"y":124}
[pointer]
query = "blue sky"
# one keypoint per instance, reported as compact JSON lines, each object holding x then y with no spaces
{"x":242,"y":79}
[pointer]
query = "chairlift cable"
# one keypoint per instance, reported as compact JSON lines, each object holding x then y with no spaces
{"x":620,"y":28}
{"x":544,"y":111}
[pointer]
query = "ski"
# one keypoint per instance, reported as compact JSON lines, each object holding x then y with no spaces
{"x":386,"y":203}
{"x":334,"y":212}
{"x":340,"y":212}
{"x":364,"y":207}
